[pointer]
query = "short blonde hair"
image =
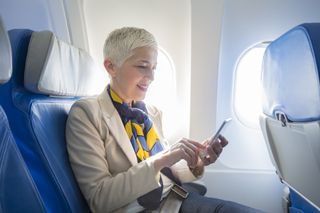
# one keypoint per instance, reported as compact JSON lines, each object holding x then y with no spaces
{"x":120,"y":43}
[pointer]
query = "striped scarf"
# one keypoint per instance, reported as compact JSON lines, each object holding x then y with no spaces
{"x":140,"y":130}
{"x":144,"y":140}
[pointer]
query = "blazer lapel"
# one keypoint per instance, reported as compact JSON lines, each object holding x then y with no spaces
{"x":116,"y":127}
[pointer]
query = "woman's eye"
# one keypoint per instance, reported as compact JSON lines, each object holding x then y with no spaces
{"x":143,"y":69}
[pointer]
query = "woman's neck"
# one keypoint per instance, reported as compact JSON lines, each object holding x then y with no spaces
{"x":119,"y":94}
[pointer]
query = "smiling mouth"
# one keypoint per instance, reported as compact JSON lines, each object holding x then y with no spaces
{"x":143,"y":88}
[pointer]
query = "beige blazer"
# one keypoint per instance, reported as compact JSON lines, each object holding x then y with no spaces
{"x":103,"y":160}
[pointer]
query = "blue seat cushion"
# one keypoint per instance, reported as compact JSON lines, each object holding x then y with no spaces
{"x":48,"y":120}
{"x":18,"y":191}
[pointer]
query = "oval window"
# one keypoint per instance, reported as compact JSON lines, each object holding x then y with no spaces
{"x":247,"y":90}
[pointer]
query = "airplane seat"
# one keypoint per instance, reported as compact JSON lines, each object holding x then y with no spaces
{"x":299,"y":205}
{"x":49,"y":75}
{"x":18,"y":190}
{"x":290,"y":121}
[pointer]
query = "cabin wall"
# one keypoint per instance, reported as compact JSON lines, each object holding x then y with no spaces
{"x":36,"y":15}
{"x":205,"y":33}
{"x":244,"y":171}
{"x":246,"y":23}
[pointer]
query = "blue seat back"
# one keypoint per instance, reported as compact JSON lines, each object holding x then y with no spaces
{"x":18,"y":191}
{"x":291,"y":111}
{"x":299,"y":204}
{"x":38,"y":126}
{"x":290,"y":76}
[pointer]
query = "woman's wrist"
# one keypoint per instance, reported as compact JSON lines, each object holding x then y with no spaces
{"x":166,"y":159}
{"x":158,"y":164}
{"x":198,"y":170}
{"x":161,"y":161}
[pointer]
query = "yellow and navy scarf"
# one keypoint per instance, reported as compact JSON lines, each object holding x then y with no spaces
{"x":144,"y":140}
{"x":143,"y":137}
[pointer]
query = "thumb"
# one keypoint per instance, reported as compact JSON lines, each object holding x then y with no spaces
{"x":223,"y":141}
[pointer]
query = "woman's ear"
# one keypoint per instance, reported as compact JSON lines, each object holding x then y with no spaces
{"x":110,"y":67}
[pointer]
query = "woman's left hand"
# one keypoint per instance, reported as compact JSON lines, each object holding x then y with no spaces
{"x":214,"y":150}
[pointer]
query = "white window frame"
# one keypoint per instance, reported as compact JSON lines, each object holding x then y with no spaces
{"x":246,"y":116}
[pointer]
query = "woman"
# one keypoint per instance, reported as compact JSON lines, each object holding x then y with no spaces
{"x":116,"y":145}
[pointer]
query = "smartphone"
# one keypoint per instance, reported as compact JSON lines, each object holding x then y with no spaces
{"x":203,"y":153}
{"x":216,"y":135}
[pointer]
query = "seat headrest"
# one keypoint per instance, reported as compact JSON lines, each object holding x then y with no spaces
{"x":54,"y":67}
{"x":5,"y":55}
{"x":290,"y":74}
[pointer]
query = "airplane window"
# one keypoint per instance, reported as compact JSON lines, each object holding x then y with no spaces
{"x":162,"y":91}
{"x":247,"y":91}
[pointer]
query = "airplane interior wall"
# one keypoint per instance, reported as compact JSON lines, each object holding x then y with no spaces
{"x":223,"y":181}
{"x":206,"y":29}
{"x":35,"y":15}
{"x":245,"y":24}
{"x":245,"y":162}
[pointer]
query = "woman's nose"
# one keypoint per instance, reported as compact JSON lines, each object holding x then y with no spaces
{"x":150,"y":74}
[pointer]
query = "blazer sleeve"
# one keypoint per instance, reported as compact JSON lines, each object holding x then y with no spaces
{"x":103,"y":191}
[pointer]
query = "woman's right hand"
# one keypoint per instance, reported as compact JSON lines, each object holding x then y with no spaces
{"x":184,"y":149}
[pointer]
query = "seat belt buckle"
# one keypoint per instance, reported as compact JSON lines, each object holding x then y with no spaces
{"x":180,"y":191}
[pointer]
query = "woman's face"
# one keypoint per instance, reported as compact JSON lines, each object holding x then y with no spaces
{"x":132,"y":79}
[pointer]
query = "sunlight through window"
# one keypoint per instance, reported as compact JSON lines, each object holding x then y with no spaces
{"x":162,"y":91}
{"x":247,"y":91}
